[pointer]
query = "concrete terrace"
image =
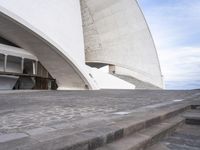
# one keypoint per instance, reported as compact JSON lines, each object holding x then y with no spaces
{"x":27,"y":116}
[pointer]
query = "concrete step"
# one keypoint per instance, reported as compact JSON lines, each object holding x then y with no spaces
{"x":139,"y":128}
{"x":187,"y":137}
{"x":169,"y":146}
{"x":146,"y":137}
{"x":192,"y":117}
{"x":159,"y":146}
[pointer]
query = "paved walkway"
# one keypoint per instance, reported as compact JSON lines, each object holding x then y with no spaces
{"x":21,"y":111}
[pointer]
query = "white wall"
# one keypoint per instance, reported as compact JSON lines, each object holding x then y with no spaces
{"x":116,"y":33}
{"x":52,"y":31}
{"x":108,"y":81}
{"x":60,"y":20}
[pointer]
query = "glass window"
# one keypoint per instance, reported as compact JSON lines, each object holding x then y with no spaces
{"x":14,"y":64}
{"x":2,"y":62}
{"x":29,"y":66}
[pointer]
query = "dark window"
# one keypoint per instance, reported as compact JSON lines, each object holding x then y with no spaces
{"x":29,"y":66}
{"x":2,"y":62}
{"x":14,"y":64}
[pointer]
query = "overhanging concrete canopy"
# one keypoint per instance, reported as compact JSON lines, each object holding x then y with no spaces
{"x":62,"y":67}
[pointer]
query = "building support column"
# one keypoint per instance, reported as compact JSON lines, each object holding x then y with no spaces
{"x":36,"y":67}
{"x":34,"y":63}
{"x":5,"y":62}
{"x":22,"y":65}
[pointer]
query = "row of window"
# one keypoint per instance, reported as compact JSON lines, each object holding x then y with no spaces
{"x":15,"y":64}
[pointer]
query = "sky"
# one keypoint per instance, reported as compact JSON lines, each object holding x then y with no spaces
{"x":175,"y":27}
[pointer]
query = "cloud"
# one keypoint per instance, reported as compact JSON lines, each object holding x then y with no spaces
{"x":181,"y":67}
{"x":173,"y":22}
{"x":183,"y":85}
{"x":181,"y":63}
{"x":175,"y":27}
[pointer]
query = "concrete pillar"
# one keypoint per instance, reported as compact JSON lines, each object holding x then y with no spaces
{"x":22,"y":65}
{"x":112,"y":69}
{"x":5,"y":62}
{"x":34,"y":68}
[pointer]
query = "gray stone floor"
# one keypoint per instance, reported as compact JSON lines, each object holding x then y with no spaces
{"x":28,"y":110}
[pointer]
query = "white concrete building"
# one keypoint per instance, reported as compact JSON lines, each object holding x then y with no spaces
{"x":50,"y":41}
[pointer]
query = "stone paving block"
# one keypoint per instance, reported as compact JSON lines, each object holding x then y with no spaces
{"x":10,"y":141}
{"x":97,"y":124}
{"x":94,"y":138}
{"x":192,"y":117}
{"x":188,"y":130}
{"x":88,"y":138}
{"x":175,"y":119}
{"x":181,"y":147}
{"x":12,"y":137}
{"x":61,"y":126}
{"x":110,"y":132}
{"x":151,"y":121}
{"x":129,"y":143}
{"x":66,"y":142}
{"x":181,"y":139}
{"x":159,"y":146}
{"x":173,"y":111}
{"x":56,"y":134}
{"x":41,"y":130}
{"x":30,"y":144}
{"x":131,"y":126}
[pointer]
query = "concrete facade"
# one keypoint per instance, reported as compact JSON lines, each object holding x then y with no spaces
{"x":53,"y":34}
{"x":117,"y":34}
{"x":112,"y":31}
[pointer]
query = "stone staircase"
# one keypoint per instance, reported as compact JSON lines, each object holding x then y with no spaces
{"x":146,"y":137}
{"x":135,"y":130}
{"x":193,"y":116}
{"x":187,"y":137}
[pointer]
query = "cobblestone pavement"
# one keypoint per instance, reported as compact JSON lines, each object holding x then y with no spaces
{"x":27,"y":110}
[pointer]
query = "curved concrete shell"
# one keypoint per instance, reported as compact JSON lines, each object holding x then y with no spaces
{"x":117,"y":34}
{"x":52,"y":31}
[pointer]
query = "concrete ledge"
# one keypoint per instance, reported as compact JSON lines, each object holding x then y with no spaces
{"x":146,"y":137}
{"x":10,"y":141}
{"x":192,"y":117}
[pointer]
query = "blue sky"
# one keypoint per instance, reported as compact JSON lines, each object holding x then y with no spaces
{"x":175,"y":26}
